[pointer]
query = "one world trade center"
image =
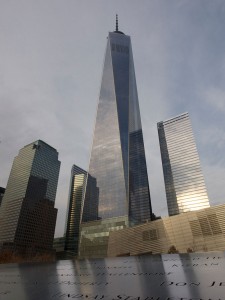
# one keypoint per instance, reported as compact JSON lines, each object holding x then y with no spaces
{"x":117,"y":157}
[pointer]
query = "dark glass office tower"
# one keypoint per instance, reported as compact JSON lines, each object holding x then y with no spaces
{"x":118,"y":157}
{"x":27,"y":212}
{"x":79,"y":183}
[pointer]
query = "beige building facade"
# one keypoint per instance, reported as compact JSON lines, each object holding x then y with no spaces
{"x":197,"y":231}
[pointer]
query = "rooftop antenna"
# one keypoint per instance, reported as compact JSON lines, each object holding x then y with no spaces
{"x":117,"y":23}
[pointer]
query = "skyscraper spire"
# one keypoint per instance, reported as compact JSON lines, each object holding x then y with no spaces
{"x":117,"y":27}
{"x":117,"y":23}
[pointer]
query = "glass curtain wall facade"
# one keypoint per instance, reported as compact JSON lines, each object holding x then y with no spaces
{"x":184,"y":182}
{"x":76,"y":196}
{"x":118,"y":158}
{"x":29,"y":197}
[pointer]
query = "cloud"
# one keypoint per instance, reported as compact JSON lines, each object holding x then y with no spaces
{"x":215,"y":97}
{"x":50,"y":71}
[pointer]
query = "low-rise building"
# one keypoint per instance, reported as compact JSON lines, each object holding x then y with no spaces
{"x":195,"y":231}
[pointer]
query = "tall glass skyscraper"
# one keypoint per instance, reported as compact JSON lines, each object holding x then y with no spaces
{"x":184,"y":182}
{"x":79,"y":183}
{"x":27,"y":214}
{"x":118,"y":157}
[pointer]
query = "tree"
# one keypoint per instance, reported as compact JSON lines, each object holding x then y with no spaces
{"x":172,"y":250}
{"x":189,"y":250}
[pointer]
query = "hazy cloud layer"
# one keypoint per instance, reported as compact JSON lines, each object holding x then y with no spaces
{"x":51,"y":61}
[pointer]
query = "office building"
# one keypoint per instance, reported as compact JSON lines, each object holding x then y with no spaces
{"x":78,"y":186}
{"x":117,"y":159}
{"x":184,"y":182}
{"x":27,"y":213}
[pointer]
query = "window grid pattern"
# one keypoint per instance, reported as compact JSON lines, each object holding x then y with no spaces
{"x":184,"y":182}
{"x":27,"y":212}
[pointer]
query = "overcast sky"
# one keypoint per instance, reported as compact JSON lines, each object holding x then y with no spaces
{"x":51,"y":58}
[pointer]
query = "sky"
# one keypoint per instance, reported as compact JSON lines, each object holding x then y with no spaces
{"x":51,"y":59}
